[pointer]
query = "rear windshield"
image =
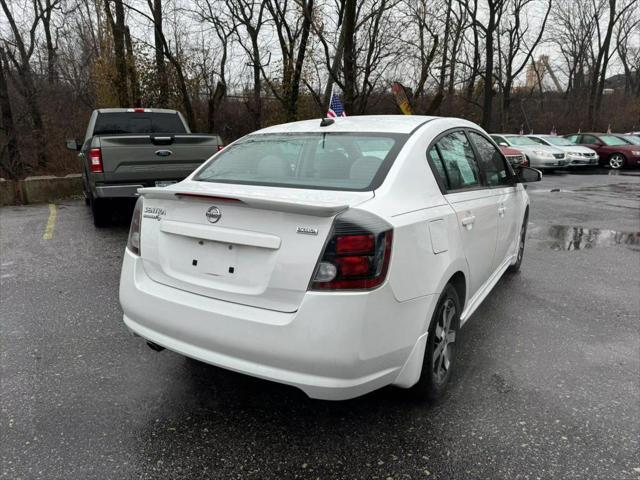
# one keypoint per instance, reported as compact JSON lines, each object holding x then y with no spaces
{"x":329,"y":161}
{"x":138,"y":122}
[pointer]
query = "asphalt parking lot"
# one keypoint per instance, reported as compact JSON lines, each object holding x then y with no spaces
{"x":547,"y":386}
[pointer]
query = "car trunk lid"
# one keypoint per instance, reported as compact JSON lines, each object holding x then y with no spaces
{"x":250,"y":245}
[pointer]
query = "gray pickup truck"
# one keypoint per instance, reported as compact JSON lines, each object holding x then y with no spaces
{"x":128,"y":148}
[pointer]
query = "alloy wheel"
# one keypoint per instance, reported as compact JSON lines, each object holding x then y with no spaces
{"x":616,"y":161}
{"x":445,"y":336}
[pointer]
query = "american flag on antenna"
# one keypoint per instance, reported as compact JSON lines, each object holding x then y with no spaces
{"x":336,"y":109}
{"x":553,"y":131}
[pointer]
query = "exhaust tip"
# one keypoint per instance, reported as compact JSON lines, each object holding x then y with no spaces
{"x":155,"y":347}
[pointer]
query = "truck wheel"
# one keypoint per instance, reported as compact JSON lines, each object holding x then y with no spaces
{"x":100,"y":212}
{"x":439,"y":355}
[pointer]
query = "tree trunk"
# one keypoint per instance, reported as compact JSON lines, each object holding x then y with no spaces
{"x":292,"y":111}
{"x":13,"y":165}
{"x":257,"y":84}
{"x":52,"y":76}
{"x":161,"y":68}
{"x":349,"y":68}
{"x":118,"y":32}
{"x":131,"y":67}
{"x":487,"y":103}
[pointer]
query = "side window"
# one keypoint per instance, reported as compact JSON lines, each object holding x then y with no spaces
{"x":437,"y":162}
{"x":490,"y":160}
{"x":589,"y":139}
{"x":459,"y":160}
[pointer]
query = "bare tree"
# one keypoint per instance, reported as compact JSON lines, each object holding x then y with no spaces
{"x":249,"y":15}
{"x":517,"y":49}
{"x":292,"y":25}
{"x":20,"y":54}
{"x":599,"y":71}
{"x":118,"y":29}
{"x":10,"y":159}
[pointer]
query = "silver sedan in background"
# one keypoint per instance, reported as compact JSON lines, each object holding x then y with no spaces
{"x":577,"y":155}
{"x":542,"y":157}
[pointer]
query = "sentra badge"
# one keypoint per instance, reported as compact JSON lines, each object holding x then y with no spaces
{"x":154,"y":212}
{"x":307,"y":231}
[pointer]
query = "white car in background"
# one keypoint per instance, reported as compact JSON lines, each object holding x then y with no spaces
{"x":336,"y":256}
{"x":540,"y":156}
{"x":577,"y":155}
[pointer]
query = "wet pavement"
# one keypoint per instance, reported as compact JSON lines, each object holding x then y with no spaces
{"x":547,"y":384}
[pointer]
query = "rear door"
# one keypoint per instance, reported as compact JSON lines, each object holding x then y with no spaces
{"x":474,"y":204}
{"x":498,"y":177}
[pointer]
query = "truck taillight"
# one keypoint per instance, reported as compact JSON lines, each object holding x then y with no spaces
{"x":357,"y":255}
{"x":133,"y":242}
{"x":95,"y":159}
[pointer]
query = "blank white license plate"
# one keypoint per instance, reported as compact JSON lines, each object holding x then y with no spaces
{"x":165,"y":183}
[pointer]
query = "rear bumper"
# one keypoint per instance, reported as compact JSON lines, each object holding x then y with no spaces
{"x":118,"y":191}
{"x":335,"y":347}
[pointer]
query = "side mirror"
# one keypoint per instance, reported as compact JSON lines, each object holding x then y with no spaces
{"x":598,"y":143}
{"x":503,"y":144}
{"x":73,"y":144}
{"x":528,"y":174}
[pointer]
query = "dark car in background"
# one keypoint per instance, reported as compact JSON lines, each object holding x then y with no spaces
{"x":515,"y":157}
{"x":125,"y":149}
{"x":613,"y":150}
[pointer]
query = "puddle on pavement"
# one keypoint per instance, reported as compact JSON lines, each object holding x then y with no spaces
{"x":624,"y":188}
{"x":565,"y":238}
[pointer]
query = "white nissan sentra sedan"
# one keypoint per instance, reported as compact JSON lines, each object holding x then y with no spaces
{"x":335,"y":256}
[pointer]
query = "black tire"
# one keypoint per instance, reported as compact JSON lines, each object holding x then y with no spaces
{"x":100,"y":212}
{"x":435,"y":374}
{"x":521,"y":244}
{"x":617,"y":161}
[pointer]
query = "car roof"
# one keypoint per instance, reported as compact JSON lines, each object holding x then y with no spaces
{"x":360,"y":123}
{"x":125,"y":110}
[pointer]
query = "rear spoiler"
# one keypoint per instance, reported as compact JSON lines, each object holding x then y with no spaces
{"x":288,"y":205}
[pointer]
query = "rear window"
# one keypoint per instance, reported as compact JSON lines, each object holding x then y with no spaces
{"x":329,"y":161}
{"x":134,"y":122}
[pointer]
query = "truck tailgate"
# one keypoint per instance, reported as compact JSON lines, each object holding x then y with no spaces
{"x":146,"y":158}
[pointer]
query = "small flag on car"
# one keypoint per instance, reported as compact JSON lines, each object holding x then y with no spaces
{"x":553,"y":131}
{"x":521,"y":132}
{"x":336,"y":109}
{"x":609,"y":129}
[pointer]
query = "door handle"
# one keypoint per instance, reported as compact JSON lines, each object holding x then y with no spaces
{"x":501,"y":210}
{"x":468,"y":221}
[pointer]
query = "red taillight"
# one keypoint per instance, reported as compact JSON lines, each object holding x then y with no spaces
{"x":352,"y":266}
{"x":133,"y":242}
{"x":349,"y":244}
{"x":357,"y":254}
{"x":95,"y":159}
{"x":220,"y":147}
